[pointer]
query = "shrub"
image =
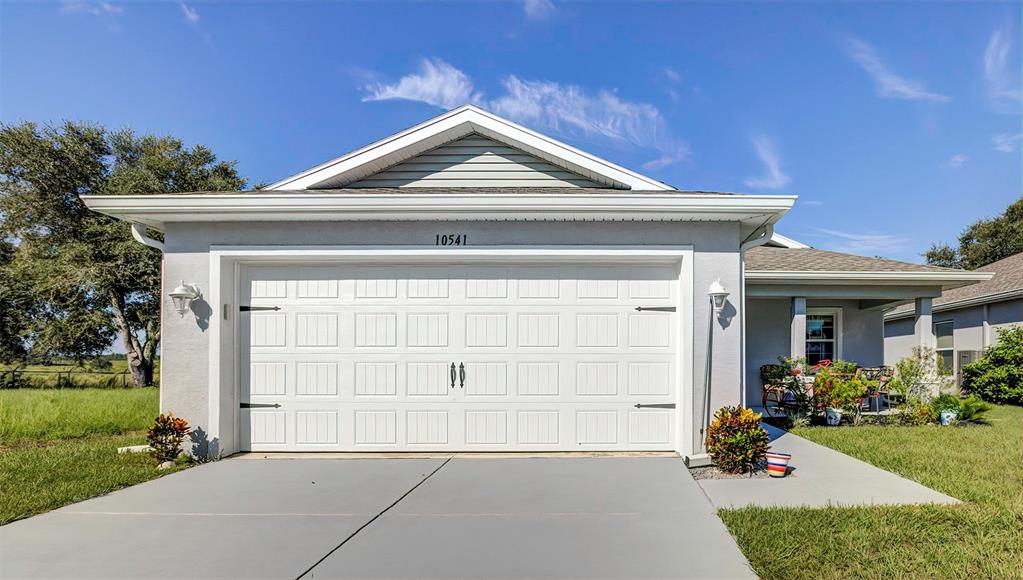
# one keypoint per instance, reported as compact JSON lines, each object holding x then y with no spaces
{"x":735,"y":440}
{"x":998,"y":376}
{"x":165,"y":437}
{"x":971,"y":408}
{"x":921,"y":376}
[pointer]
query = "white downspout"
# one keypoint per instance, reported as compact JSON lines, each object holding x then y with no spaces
{"x":766,"y":231}
{"x":138,"y":231}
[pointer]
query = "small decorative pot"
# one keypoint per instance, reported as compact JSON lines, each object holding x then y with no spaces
{"x":778,"y":463}
{"x":833,"y":416}
{"x":948,"y":417}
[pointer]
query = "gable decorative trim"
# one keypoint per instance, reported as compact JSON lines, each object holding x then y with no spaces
{"x":456,"y":124}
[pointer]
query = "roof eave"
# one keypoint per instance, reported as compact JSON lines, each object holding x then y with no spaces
{"x":964,"y":303}
{"x":157,"y":210}
{"x":947,"y":280}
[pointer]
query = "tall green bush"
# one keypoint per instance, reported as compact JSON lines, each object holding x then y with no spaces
{"x":998,"y":376}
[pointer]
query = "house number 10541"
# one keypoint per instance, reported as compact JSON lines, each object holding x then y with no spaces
{"x":452,"y":240}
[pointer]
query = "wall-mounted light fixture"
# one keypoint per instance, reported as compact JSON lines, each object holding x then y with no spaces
{"x":183,"y":296}
{"x":718,"y":295}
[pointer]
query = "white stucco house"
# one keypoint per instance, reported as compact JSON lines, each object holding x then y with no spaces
{"x":470,"y":284}
{"x":965,"y":320}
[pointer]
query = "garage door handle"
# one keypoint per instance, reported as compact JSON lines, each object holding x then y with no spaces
{"x":655,"y":406}
{"x":453,"y":375}
{"x":655,"y":308}
{"x":259,"y":405}
{"x":461,"y":375}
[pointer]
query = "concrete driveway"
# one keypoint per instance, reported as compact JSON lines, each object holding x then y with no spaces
{"x":321,"y":518}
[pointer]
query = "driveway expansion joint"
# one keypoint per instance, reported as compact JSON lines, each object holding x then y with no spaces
{"x":374,"y":518}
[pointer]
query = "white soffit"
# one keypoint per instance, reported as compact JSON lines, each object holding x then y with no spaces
{"x":157,"y":210}
{"x":453,"y":125}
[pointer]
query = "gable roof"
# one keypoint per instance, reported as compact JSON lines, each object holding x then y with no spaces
{"x":1006,"y":284}
{"x":443,"y":129}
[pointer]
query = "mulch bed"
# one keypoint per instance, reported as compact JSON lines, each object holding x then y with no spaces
{"x":712,"y":472}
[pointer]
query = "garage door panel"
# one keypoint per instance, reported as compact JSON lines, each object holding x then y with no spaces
{"x":546,"y":357}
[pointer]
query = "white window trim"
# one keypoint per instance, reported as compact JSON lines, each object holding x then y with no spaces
{"x":952,"y":349}
{"x":837,"y":313}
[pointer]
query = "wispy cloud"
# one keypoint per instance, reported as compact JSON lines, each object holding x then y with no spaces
{"x":559,"y":108}
{"x":568,"y":109}
{"x":437,"y":83}
{"x":539,"y":9}
{"x":861,"y":242}
{"x":810,"y":202}
{"x":672,"y":74}
{"x":98,"y":8}
{"x":1007,"y":142}
{"x":1004,"y":92}
{"x":774,"y":177}
{"x":956,"y":161}
{"x":189,"y":13}
{"x":888,"y":83}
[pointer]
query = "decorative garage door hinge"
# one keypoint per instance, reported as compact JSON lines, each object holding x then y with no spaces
{"x":656,"y":308}
{"x":259,"y":405}
{"x":655,"y":406}
{"x":251,"y":308}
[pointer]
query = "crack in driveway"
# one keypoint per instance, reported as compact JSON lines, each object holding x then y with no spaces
{"x":374,"y":518}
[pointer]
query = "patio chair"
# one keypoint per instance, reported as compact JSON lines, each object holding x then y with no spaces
{"x":880,"y":393}
{"x":774,"y":390}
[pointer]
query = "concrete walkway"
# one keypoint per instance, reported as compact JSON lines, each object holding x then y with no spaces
{"x":608,"y":517}
{"x":821,"y":477}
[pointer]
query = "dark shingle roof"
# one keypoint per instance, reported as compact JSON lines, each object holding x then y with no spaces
{"x":768,"y":259}
{"x":1008,"y":278}
{"x":456,"y":190}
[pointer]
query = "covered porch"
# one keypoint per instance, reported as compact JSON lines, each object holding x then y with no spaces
{"x":816,"y":304}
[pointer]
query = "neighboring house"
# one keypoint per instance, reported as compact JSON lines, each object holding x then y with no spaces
{"x":964,"y":319}
{"x":469,"y":284}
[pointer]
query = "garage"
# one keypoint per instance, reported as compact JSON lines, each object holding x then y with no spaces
{"x":420,"y":356}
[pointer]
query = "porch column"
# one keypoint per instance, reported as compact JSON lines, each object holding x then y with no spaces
{"x":923,"y":329}
{"x":797,"y":347}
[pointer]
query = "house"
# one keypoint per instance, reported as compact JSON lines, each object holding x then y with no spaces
{"x":965,"y":320}
{"x":470,"y":284}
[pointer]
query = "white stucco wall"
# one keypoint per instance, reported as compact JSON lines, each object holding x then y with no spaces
{"x":768,"y":333}
{"x":186,"y":343}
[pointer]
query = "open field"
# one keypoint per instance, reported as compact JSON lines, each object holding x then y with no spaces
{"x":69,"y":375}
{"x":60,"y":446}
{"x":981,"y":538}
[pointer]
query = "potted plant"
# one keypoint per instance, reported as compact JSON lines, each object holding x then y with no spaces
{"x":946,"y":407}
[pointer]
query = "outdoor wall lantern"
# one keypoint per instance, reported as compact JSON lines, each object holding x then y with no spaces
{"x":183,"y":296}
{"x":718,"y":295}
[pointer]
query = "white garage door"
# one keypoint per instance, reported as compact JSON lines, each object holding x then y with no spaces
{"x":436,"y":357}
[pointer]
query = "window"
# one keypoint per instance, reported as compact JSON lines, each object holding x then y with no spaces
{"x":945,"y":345}
{"x":823,"y":334}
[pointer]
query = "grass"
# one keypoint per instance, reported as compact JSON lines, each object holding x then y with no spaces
{"x":60,"y":446}
{"x":31,"y":416}
{"x":981,"y":538}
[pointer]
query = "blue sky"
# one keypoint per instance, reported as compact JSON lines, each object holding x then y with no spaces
{"x":896,"y":124}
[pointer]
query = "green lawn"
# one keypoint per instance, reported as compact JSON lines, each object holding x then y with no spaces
{"x":982,"y":538}
{"x":60,"y":446}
